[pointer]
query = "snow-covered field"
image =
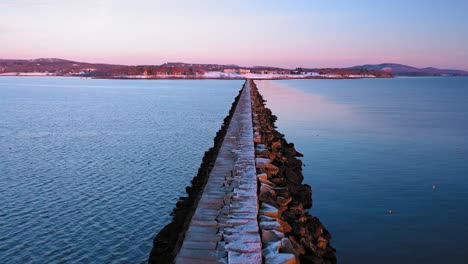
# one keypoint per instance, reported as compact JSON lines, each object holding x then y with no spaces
{"x":211,"y":75}
{"x":26,"y":74}
{"x":221,"y":75}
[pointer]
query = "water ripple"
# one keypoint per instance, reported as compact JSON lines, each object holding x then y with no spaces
{"x":90,"y":174}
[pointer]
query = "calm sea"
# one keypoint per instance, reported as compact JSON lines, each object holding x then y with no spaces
{"x":91,"y":169}
{"x":387,"y":160}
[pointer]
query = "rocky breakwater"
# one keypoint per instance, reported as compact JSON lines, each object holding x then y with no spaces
{"x":168,"y":242}
{"x":290,"y":234}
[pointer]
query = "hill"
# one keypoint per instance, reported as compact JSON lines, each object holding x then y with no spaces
{"x":60,"y":67}
{"x":405,"y":70}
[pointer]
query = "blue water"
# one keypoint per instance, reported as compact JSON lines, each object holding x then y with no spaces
{"x":376,"y":145}
{"x":91,"y":169}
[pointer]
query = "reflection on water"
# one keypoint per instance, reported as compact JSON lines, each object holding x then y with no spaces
{"x":297,"y":105}
{"x":375,"y":146}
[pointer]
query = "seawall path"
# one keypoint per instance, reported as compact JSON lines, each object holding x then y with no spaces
{"x":247,"y":204}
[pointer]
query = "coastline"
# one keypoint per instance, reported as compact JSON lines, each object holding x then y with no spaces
{"x":206,"y":78}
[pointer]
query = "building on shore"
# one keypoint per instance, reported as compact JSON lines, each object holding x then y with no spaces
{"x":244,"y":71}
{"x":271,"y":71}
{"x":230,"y":70}
{"x":236,"y":71}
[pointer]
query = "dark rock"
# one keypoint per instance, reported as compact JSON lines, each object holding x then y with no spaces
{"x":302,"y":194}
{"x":297,"y":246}
{"x":283,"y":201}
{"x":268,"y":196}
{"x":293,"y":177}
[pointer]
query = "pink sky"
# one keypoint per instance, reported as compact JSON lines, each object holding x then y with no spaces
{"x":334,"y":34}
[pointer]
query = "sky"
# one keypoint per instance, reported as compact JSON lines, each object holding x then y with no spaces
{"x":300,"y":33}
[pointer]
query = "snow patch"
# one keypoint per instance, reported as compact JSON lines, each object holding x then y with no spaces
{"x":26,"y":74}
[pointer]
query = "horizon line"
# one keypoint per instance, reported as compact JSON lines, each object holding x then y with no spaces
{"x":233,"y":64}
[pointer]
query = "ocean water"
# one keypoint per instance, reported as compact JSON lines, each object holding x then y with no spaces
{"x":91,"y":169}
{"x":387,"y":160}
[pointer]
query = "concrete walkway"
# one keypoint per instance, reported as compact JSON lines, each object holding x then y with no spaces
{"x":224,"y":228}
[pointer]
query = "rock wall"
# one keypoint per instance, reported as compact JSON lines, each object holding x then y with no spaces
{"x":290,"y":234}
{"x":168,"y":241}
{"x":224,"y":227}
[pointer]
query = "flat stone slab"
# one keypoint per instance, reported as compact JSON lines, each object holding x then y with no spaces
{"x":244,"y":247}
{"x":207,"y":256}
{"x":243,"y":258}
{"x":246,"y":237}
{"x":224,"y":227}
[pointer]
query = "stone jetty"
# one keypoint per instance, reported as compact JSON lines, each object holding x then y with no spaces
{"x":247,"y":203}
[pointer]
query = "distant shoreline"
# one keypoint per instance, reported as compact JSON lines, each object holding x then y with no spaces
{"x":229,"y":78}
{"x":199,"y":77}
{"x":180,"y":70}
